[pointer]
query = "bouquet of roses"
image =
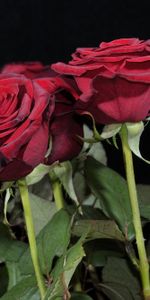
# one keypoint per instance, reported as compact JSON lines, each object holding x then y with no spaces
{"x":71,"y":227}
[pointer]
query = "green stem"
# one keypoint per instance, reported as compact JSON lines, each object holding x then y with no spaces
{"x":143,"y":261}
{"x":31,"y":235}
{"x":58,"y":194}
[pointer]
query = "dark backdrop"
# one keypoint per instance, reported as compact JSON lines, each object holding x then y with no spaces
{"x":50,"y":31}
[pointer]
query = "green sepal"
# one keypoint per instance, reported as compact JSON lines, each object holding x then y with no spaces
{"x":134,"y":131}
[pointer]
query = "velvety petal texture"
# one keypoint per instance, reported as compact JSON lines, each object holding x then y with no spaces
{"x":36,"y":103}
{"x":26,"y":107}
{"x":113,"y":80}
{"x":65,"y":129}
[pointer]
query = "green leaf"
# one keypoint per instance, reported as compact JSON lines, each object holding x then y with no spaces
{"x":73,"y":258}
{"x":14,"y":274}
{"x":64,"y":271}
{"x":98,"y":229}
{"x":3,"y":279}
{"x":42,"y":189}
{"x":97,"y":251}
{"x":10,"y":249}
{"x":82,"y":190}
{"x":91,"y":213}
{"x":42,"y":211}
{"x":26,"y":289}
{"x":112,"y":191}
{"x":120,"y":281}
{"x":116,"y":292}
{"x":63,"y":171}
{"x":144,"y":200}
{"x":10,"y":253}
{"x":52,"y":241}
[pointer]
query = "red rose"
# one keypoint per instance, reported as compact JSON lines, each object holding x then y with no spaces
{"x":33,"y":107}
{"x":114,"y":80}
{"x":26,"y":108}
{"x":65,"y":125}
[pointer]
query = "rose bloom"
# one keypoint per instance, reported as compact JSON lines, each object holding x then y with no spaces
{"x":25,"y":112}
{"x":28,"y":114}
{"x":113,"y":80}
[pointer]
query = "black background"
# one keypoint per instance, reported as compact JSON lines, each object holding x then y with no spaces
{"x":50,"y":31}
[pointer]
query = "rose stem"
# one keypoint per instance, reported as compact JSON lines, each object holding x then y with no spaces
{"x":58,"y":194}
{"x":143,"y":261}
{"x":31,"y":235}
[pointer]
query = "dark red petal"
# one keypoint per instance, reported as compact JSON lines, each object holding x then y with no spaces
{"x":68,"y":69}
{"x":14,"y":170}
{"x":36,"y":148}
{"x":65,"y":143}
{"x":116,"y":100}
